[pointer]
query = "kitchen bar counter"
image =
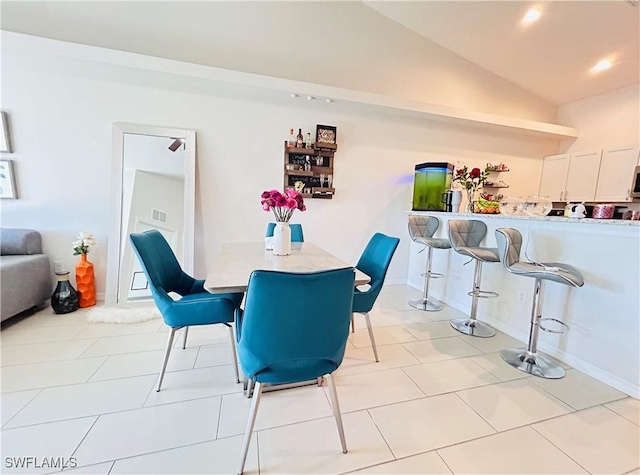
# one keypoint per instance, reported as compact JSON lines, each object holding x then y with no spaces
{"x":603,"y":315}
{"x":556,"y":219}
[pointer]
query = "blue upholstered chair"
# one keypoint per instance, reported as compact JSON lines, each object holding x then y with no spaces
{"x":294,"y":328}
{"x":296,"y":232}
{"x":196,"y":307}
{"x":374,"y":262}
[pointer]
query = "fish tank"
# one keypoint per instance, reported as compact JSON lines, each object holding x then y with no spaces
{"x":431,"y":181}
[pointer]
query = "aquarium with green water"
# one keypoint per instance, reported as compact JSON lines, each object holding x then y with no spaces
{"x":431,"y":181}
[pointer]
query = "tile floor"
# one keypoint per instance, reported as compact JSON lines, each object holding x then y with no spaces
{"x":437,"y":403}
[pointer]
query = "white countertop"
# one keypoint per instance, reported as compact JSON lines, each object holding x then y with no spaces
{"x":556,"y":219}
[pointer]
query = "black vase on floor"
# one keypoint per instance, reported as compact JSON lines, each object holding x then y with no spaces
{"x":64,"y":298}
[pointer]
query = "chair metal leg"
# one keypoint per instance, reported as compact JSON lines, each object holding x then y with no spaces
{"x":184,"y":341}
{"x":425,"y":303}
{"x":528,"y":359}
{"x":172,"y":332}
{"x":373,"y":340}
{"x":255,"y":402}
{"x":471,"y":326}
{"x":250,"y":387}
{"x":353,"y":325}
{"x":233,"y":352}
{"x":336,"y":412}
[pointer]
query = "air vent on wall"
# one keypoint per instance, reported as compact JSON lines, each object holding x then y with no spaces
{"x":158,"y":215}
{"x":633,"y":3}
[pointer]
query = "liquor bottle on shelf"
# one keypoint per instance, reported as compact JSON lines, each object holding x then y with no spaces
{"x":291,"y":141}
{"x":309,"y":143}
{"x":299,"y":139}
{"x":319,"y":161}
{"x":307,"y":164}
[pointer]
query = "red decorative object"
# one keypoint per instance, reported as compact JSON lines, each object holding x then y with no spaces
{"x":85,"y":281}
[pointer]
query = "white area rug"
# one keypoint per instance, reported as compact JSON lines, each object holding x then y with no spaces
{"x":122,"y":315}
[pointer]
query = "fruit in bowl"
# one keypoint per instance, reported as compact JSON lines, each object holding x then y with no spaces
{"x":487,"y":204}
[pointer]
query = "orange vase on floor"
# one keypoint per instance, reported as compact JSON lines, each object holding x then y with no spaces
{"x":85,"y":281}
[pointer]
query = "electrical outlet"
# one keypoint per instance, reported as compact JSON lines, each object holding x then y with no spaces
{"x":57,"y":266}
{"x":521,"y":296}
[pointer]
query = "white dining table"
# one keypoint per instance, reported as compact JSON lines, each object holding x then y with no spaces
{"x":236,"y":261}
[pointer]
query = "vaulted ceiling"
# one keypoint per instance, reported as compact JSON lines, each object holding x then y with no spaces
{"x":318,"y":40}
{"x":551,"y":57}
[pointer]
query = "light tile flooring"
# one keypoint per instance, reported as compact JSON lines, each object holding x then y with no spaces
{"x":438,"y":402}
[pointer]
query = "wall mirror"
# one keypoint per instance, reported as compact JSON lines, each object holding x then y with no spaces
{"x":152,"y":187}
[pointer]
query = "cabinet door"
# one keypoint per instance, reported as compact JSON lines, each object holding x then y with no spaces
{"x":616,"y":173}
{"x":583,"y":176}
{"x":554,"y":176}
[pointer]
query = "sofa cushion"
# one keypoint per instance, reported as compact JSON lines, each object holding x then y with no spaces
{"x":15,"y":241}
{"x":26,"y":282}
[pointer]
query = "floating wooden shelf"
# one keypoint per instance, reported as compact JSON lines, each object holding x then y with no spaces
{"x":313,"y":186}
{"x":298,"y":173}
{"x":497,"y":170}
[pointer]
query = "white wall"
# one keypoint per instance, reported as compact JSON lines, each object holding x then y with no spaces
{"x":62,"y":135}
{"x":607,"y":120}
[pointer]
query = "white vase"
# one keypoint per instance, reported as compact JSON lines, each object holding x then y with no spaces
{"x":281,"y":239}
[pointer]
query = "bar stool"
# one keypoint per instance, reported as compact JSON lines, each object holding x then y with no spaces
{"x":421,"y":230}
{"x":528,"y":359}
{"x":465,"y":237}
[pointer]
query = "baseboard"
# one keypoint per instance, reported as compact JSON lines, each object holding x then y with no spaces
{"x":395,"y":282}
{"x":589,"y":369}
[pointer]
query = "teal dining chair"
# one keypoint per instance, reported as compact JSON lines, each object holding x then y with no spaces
{"x":374,"y":262}
{"x":296,"y":231}
{"x":196,"y":307}
{"x":294,"y":328}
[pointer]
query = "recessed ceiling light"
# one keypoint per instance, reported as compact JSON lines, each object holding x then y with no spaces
{"x":602,"y":65}
{"x":310,"y":98}
{"x":329,"y":101}
{"x":532,"y":15}
{"x":294,"y":95}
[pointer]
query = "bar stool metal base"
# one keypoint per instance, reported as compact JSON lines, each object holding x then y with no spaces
{"x":473,"y":328}
{"x":534,"y":364}
{"x":428,"y":305}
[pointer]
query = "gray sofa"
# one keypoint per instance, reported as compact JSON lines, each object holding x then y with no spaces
{"x":25,"y":272}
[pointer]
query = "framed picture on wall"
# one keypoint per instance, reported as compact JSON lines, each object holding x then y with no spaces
{"x":5,"y":139}
{"x":7,"y":180}
{"x":326,"y":134}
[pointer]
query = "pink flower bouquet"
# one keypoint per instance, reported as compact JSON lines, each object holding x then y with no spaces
{"x":282,"y":204}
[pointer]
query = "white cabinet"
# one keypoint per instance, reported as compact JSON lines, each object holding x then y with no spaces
{"x":554,"y":176}
{"x":616,"y":173}
{"x":570,"y":177}
{"x":583,"y":176}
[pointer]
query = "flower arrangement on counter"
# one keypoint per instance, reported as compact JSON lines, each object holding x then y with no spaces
{"x":471,"y":181}
{"x":84,"y":243}
{"x":282,"y":204}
